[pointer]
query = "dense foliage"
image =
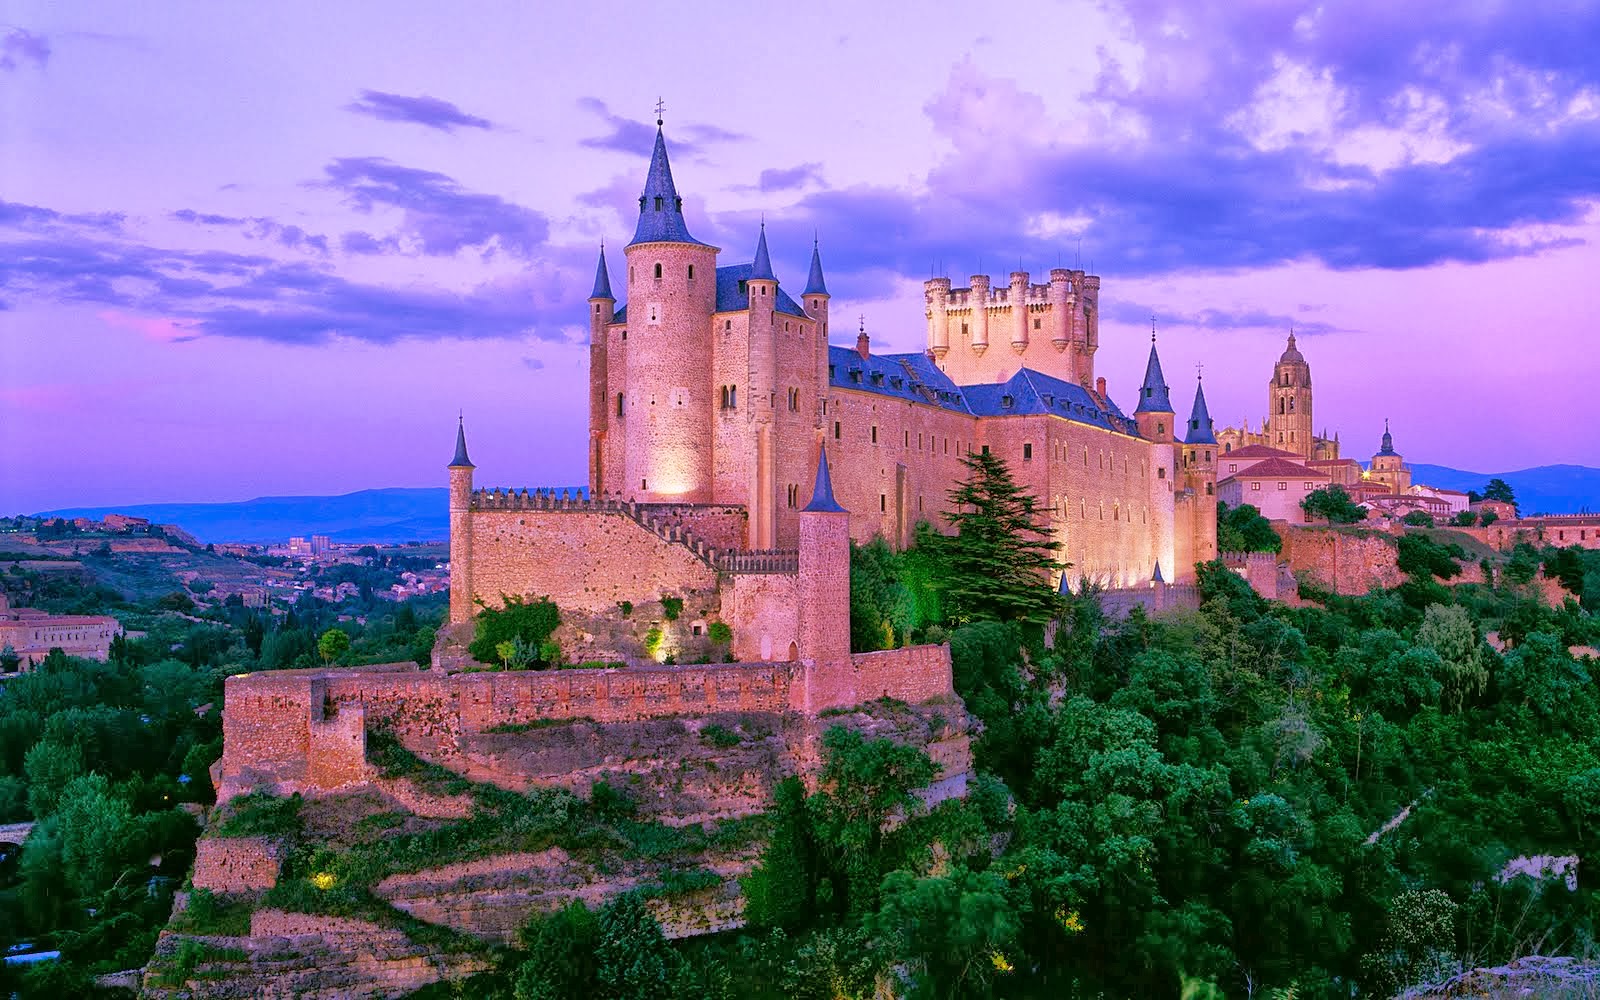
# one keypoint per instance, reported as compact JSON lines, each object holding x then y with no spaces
{"x":517,"y":634}
{"x":1333,"y":505}
{"x":1243,"y":529}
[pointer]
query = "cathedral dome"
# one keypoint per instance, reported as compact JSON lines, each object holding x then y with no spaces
{"x":1291,"y":354}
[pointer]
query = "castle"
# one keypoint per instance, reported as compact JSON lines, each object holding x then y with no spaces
{"x":713,"y":394}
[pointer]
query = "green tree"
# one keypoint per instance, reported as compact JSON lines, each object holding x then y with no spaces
{"x":633,"y":959}
{"x":1243,"y":529}
{"x":955,"y":931}
{"x":96,"y":829}
{"x":333,"y":644}
{"x":1332,"y":504}
{"x":532,"y":622}
{"x":1000,"y":561}
{"x":1448,"y":631}
{"x":779,"y":892}
{"x":50,"y":766}
{"x":561,"y":954}
{"x":1418,"y":519}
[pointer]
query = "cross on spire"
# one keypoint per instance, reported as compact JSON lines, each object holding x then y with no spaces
{"x":1152,"y":328}
{"x":863,"y":322}
{"x":660,"y":107}
{"x":1199,"y":370}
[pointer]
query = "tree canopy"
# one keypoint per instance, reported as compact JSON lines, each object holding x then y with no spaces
{"x":999,"y":563}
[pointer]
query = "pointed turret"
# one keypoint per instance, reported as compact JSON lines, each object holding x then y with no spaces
{"x":660,"y":208}
{"x":602,"y":279}
{"x":1153,"y":397}
{"x":461,"y":461}
{"x":1388,"y":439}
{"x":1156,"y":576}
{"x":1200,"y":426}
{"x":762,"y":269}
{"x":814,"y":283}
{"x":822,"y":501}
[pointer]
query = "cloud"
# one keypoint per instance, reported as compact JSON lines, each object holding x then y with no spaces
{"x":628,"y":135}
{"x":1214,"y":319}
{"x":431,"y":112}
{"x":438,"y":217}
{"x":36,"y":219}
{"x":176,"y":295}
{"x":20,"y":46}
{"x":259,"y":228}
{"x":533,"y":363}
{"x":774,"y":179}
{"x":1251,"y":137}
{"x":207,"y":219}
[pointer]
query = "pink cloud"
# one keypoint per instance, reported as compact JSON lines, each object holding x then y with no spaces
{"x":162,"y":329}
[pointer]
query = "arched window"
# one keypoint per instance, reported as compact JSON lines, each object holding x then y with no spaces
{"x":1291,"y":404}
{"x":658,"y":266}
{"x":1280,"y":402}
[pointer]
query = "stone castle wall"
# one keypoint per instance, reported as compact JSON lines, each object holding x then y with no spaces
{"x":305,"y":730}
{"x":237,"y":864}
{"x":1343,"y":562}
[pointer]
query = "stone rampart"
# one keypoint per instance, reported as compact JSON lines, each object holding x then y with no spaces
{"x":237,"y":864}
{"x":306,"y":730}
{"x":1344,"y":562}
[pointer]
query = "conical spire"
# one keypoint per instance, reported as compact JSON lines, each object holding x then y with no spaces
{"x":762,"y":270}
{"x":1153,"y":396}
{"x":1201,"y":430}
{"x":1063,"y":587}
{"x":822,"y":501}
{"x":461,"y":460}
{"x":660,"y":208}
{"x":602,"y":279}
{"x":1156,"y":576}
{"x":814,"y":283}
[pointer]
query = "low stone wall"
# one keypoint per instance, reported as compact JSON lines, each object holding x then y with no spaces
{"x":914,"y":674}
{"x":237,"y":864}
{"x":1344,"y":562}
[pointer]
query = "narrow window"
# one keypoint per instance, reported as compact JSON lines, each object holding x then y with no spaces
{"x":1027,"y":452}
{"x":883,"y":502}
{"x":1161,"y":428}
{"x":1283,"y":486}
{"x":907,"y":442}
{"x":1036,"y":324}
{"x":1255,"y":486}
{"x":836,"y":430}
{"x":691,"y":272}
{"x":874,"y":433}
{"x":658,"y":266}
{"x":619,"y":404}
{"x":986,"y":449}
{"x":658,"y":208}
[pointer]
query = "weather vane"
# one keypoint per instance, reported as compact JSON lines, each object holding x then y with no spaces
{"x":1199,"y":369}
{"x":1152,"y":328}
{"x":660,"y":107}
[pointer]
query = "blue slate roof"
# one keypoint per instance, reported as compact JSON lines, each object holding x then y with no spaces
{"x":1201,"y":430}
{"x":822,"y":501}
{"x":814,"y":283}
{"x":762,"y":268}
{"x":602,"y":280}
{"x":660,"y":208}
{"x":1153,"y":397}
{"x":732,"y":298}
{"x":461,"y":446}
{"x":1156,"y":576}
{"x":914,"y":378}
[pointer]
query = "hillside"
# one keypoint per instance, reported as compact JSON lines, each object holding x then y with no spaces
{"x":1545,"y":489}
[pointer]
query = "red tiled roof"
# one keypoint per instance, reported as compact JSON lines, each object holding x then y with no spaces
{"x":1259,"y":451}
{"x":1277,"y":468}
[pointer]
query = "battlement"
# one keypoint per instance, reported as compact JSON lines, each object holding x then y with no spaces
{"x":668,"y":522}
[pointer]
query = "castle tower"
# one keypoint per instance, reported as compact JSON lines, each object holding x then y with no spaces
{"x":602,"y":310}
{"x":816,"y":298}
{"x":1017,"y":299}
{"x":936,"y":292}
{"x":823,"y":587}
{"x":1089,"y":336}
{"x":1062,"y":302}
{"x":1154,"y":412}
{"x":669,"y":401}
{"x":1289,"y":404}
{"x":980,"y":314}
{"x":763,"y":391}
{"x":461,"y":529}
{"x":1197,"y":532}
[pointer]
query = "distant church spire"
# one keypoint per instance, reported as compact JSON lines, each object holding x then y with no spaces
{"x":660,"y":208}
{"x":461,"y":460}
{"x":1388,"y":439}
{"x":822,"y":501}
{"x":814,"y":283}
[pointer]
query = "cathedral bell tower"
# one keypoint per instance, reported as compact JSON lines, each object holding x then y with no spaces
{"x":1289,"y":404}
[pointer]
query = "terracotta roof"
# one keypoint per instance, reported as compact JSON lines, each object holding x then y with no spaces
{"x":1277,"y":468}
{"x":1259,"y":451}
{"x":1333,"y":461}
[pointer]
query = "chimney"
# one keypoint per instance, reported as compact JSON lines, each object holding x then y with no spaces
{"x":1100,"y":386}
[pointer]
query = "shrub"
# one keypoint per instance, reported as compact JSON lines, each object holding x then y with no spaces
{"x":1465,"y":519}
{"x":261,"y":814}
{"x":671,"y":608}
{"x":1334,"y":504}
{"x":1418,"y":519}
{"x":652,"y":640}
{"x":528,"y":622}
{"x":720,"y":633}
{"x":626,"y":607}
{"x":719,"y":735}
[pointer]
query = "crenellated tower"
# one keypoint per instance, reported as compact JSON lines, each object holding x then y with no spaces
{"x":602,"y":310}
{"x":461,"y":528}
{"x":669,"y":398}
{"x":1051,"y":328}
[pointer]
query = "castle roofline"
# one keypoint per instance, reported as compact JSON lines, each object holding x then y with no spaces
{"x":822,"y":501}
{"x":1277,"y":468}
{"x":660,"y":207}
{"x":461,"y":460}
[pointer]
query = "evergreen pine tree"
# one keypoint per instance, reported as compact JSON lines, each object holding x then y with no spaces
{"x":1001,"y":559}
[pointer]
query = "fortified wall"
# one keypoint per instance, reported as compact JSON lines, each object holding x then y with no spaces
{"x":305,"y":731}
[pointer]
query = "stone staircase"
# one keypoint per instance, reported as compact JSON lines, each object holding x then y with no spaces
{"x":574,"y":501}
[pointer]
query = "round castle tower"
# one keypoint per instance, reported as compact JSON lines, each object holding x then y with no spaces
{"x":461,"y":529}
{"x":668,"y":401}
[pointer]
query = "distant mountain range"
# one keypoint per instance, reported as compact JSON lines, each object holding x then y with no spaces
{"x":1547,"y":489}
{"x":391,"y":516}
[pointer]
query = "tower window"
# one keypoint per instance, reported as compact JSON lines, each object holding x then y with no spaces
{"x":1027,"y":451}
{"x":658,"y":208}
{"x":794,"y":496}
{"x":883,"y":502}
{"x":658,"y":266}
{"x":1209,"y":489}
{"x":1036,"y":324}
{"x":836,"y":430}
{"x":1161,"y":428}
{"x":691,"y":272}
{"x":874,"y":433}
{"x":794,"y":400}
{"x":619,"y":404}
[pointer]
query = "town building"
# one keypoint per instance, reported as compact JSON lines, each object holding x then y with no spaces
{"x":30,"y":634}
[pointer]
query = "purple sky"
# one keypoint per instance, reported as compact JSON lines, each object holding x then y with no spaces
{"x":272,"y":248}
